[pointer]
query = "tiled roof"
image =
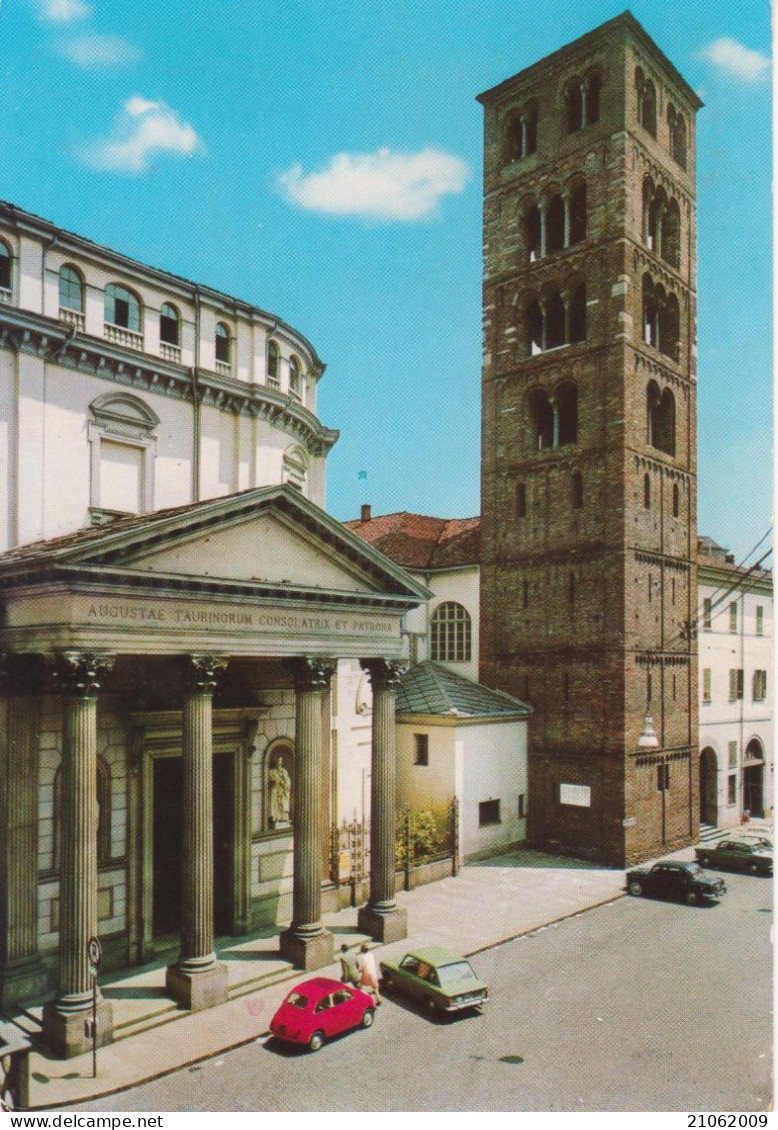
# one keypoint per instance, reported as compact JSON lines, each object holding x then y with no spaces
{"x":417,"y":541}
{"x":429,"y":689}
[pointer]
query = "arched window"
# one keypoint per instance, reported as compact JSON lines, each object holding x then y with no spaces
{"x":541,"y":421}
{"x":650,"y":313}
{"x":577,"y":491}
{"x":71,"y":289}
{"x":671,"y":234}
{"x":578,"y":214}
{"x":296,"y":465}
{"x":222,"y":343}
{"x":555,"y":225}
{"x":511,"y":138}
{"x":169,"y":324}
{"x":669,"y":327}
{"x":647,"y":491}
{"x":593,"y":87}
{"x":677,"y":127}
{"x":646,"y":103}
{"x":122,"y":308}
{"x":520,"y":133}
{"x":272,"y":364}
{"x":574,"y":105}
{"x":521,"y":500}
{"x":555,"y":321}
{"x":295,"y":380}
{"x":578,"y":315}
{"x":531,"y":229}
{"x":533,"y":318}
{"x":450,"y":633}
{"x":566,"y":397}
{"x":5,"y":266}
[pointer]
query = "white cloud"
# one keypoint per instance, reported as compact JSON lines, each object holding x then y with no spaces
{"x":64,"y":11}
{"x":94,"y":51}
{"x":383,"y":185}
{"x":140,"y":130}
{"x":737,"y":60}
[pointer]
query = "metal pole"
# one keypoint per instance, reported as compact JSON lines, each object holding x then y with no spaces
{"x":94,"y":1023}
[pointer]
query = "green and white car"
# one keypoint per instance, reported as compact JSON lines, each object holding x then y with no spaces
{"x":437,"y":978}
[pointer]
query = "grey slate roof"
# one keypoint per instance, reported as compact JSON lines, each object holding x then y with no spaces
{"x":430,"y":689}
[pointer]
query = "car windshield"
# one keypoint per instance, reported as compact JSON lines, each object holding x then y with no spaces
{"x":693,"y":868}
{"x":297,"y":1000}
{"x":459,"y":971}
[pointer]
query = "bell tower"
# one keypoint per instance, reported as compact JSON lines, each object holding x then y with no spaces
{"x":588,"y":577}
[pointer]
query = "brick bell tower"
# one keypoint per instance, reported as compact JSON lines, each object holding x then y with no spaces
{"x":588,"y":577}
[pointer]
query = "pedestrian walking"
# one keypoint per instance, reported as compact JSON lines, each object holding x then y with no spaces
{"x":349,"y":969}
{"x":368,"y":974}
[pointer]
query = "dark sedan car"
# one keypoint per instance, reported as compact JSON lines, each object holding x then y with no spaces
{"x":672,"y":879}
{"x":737,"y":855}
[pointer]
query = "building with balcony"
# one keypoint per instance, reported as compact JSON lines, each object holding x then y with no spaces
{"x":735,"y":639}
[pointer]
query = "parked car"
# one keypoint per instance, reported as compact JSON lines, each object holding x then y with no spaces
{"x":672,"y":879}
{"x":436,"y":977}
{"x":738,"y":855}
{"x":318,"y":1009}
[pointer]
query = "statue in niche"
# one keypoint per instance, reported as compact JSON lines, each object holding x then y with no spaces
{"x":279,"y":795}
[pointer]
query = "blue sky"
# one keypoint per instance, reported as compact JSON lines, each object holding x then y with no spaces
{"x":322,"y":159}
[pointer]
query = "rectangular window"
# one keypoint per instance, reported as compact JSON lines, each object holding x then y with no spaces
{"x":421,"y":745}
{"x":732,"y":749}
{"x":733,"y":616}
{"x":488,"y":812}
{"x":663,"y":778}
{"x":735,"y":684}
{"x":760,"y":686}
{"x":706,"y":676}
{"x":759,"y":620}
{"x":732,"y":788}
{"x":707,"y":613}
{"x":121,"y":475}
{"x":522,"y":806}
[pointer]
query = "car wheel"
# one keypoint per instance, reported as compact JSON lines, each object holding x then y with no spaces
{"x":752,"y":868}
{"x":387,"y":984}
{"x":431,"y":1005}
{"x":704,"y":860}
{"x":691,"y":897}
{"x":316,"y":1041}
{"x":368,"y":1016}
{"x":635,"y":888}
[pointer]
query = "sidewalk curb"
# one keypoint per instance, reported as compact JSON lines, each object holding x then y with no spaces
{"x":293,"y":975}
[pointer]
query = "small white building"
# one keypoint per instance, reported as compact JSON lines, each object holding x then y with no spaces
{"x":455,"y":737}
{"x":735,"y":638}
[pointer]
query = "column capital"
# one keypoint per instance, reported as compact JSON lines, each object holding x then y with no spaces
{"x":204,"y":671}
{"x":311,"y":673}
{"x":80,"y":673}
{"x":384,"y":674}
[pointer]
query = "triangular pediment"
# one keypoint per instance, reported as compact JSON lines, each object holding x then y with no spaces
{"x":270,"y":536}
{"x":266,"y":547}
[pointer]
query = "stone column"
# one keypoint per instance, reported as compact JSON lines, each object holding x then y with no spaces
{"x":198,"y":980}
{"x":306,"y":943}
{"x":65,"y":1028}
{"x":523,"y":123}
{"x":542,"y":213}
{"x":566,"y":225}
{"x":22,"y":974}
{"x":382,"y":918}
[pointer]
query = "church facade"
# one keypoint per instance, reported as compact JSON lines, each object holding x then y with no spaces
{"x":174,"y":606}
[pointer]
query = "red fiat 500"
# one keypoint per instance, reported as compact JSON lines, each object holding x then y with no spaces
{"x":320,"y":1008}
